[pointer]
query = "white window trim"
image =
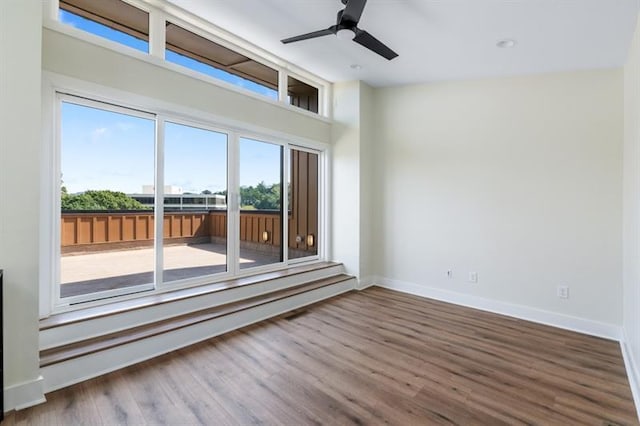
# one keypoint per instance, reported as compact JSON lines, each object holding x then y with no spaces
{"x":322,"y":199}
{"x":160,"y":12}
{"x":59,"y":98}
{"x":161,"y":111}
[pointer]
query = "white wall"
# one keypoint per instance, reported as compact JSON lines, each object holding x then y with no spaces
{"x":352,"y":170}
{"x":20,"y":41}
{"x":345,"y":177}
{"x":631,"y":229}
{"x":368,"y":202}
{"x":517,"y":179}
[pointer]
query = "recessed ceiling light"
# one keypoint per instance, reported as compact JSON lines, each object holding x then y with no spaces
{"x":356,"y":67}
{"x":507,"y":43}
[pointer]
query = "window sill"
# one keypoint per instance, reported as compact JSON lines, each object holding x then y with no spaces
{"x":141,"y":302}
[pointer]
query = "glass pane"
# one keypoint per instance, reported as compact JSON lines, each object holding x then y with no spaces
{"x":260,"y":203}
{"x":112,"y":19}
{"x":195,"y":202}
{"x":205,"y":56}
{"x":106,"y":235}
{"x":303,"y":204}
{"x":302,"y":94}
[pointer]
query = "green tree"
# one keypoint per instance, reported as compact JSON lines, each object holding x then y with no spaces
{"x":261,"y":196}
{"x":100,"y":200}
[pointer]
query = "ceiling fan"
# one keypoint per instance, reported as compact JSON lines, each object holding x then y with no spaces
{"x":348,"y":19}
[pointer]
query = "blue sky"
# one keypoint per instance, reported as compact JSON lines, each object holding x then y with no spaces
{"x":108,"y":150}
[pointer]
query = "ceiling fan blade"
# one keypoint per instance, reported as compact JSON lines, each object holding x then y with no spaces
{"x":328,"y":31}
{"x":365,"y":39}
{"x":353,"y":11}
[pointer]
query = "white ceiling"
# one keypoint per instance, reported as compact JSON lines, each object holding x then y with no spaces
{"x":436,"y":39}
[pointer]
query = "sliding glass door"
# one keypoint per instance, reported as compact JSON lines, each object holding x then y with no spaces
{"x":147,"y":202}
{"x":303,"y":203}
{"x":261,"y":203}
{"x":106,"y":237}
{"x":195,"y":203}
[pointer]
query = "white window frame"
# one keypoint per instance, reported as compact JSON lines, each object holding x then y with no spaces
{"x":159,"y":207}
{"x":321,"y":237}
{"x":57,"y":87}
{"x":161,"y":11}
{"x":59,"y":99}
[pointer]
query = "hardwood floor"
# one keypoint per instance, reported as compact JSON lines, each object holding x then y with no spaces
{"x":370,"y":357}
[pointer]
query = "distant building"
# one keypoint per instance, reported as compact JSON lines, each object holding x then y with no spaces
{"x":175,"y":199}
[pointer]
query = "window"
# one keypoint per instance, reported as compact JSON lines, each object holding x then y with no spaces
{"x":303,"y":204}
{"x":195,"y":238}
{"x":200,"y":54}
{"x":302,"y":95}
{"x":106,"y":237}
{"x":260,"y":203}
{"x":126,"y":24}
{"x":112,"y":19}
{"x":128,"y":177}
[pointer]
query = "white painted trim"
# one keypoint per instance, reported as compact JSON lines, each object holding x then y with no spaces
{"x":567,"y":322}
{"x":99,"y":326}
{"x":24,"y":395}
{"x":158,"y":193}
{"x":50,"y":10}
{"x":157,"y":34}
{"x":285,"y":170}
{"x":633,"y":372}
{"x":80,"y":369}
{"x":365,"y":282}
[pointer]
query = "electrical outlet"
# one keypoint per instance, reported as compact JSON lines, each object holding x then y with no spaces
{"x":563,"y":291}
{"x":473,"y":277}
{"x":449,"y":274}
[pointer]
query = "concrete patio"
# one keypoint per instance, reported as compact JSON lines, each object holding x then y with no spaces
{"x":94,"y":272}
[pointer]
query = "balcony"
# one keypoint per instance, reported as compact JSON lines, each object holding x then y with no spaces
{"x":114,"y":250}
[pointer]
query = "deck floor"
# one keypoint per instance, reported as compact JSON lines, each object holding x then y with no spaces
{"x":92,"y":272}
{"x":370,"y":357}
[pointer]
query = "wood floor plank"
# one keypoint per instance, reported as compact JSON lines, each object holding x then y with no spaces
{"x":114,"y":401}
{"x":370,"y":357}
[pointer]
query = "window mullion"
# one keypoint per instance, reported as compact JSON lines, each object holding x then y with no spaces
{"x":285,"y":179}
{"x":159,"y":202}
{"x":50,"y":10}
{"x":233,"y":204}
{"x":282,"y":85}
{"x":54,"y":297}
{"x":157,"y":34}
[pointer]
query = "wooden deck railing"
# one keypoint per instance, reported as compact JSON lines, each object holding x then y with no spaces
{"x":97,"y":231}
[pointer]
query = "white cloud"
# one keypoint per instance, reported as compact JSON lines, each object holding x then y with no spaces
{"x":98,"y":133}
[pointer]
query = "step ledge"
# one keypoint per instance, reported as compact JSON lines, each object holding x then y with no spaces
{"x":97,"y":344}
{"x":94,"y":312}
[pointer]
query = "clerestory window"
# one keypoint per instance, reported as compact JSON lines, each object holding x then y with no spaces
{"x":114,"y":20}
{"x":128,"y":25}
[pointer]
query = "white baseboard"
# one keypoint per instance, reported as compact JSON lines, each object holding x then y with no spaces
{"x":23,"y":395}
{"x":633,"y":372}
{"x":567,"y":322}
{"x":365,"y":282}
